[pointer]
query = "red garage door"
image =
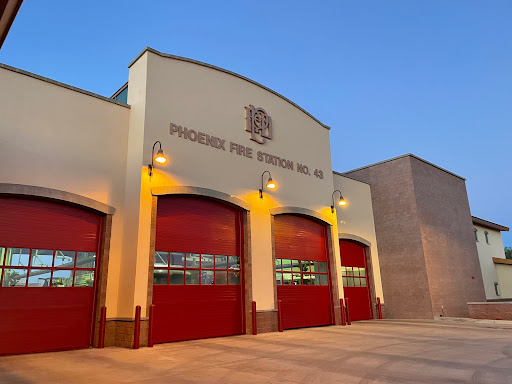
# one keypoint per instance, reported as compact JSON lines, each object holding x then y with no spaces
{"x":197,"y":283}
{"x":302,"y":272}
{"x":355,"y":280}
{"x":48,"y":263}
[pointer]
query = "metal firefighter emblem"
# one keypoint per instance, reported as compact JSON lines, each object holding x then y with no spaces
{"x":259,"y":123}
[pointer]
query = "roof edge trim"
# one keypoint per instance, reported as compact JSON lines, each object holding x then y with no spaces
{"x":63,"y":85}
{"x":192,"y":61}
{"x":400,"y":157}
{"x":489,"y":224}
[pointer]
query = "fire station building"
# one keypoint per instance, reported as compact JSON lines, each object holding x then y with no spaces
{"x":195,"y":192}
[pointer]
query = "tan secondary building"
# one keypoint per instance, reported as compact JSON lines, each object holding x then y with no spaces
{"x":196,"y":193}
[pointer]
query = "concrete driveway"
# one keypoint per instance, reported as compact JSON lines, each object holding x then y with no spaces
{"x":365,"y":352}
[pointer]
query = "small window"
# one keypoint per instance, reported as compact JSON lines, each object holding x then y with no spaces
{"x":296,"y":279}
{"x":2,"y":254}
{"x":42,"y":258}
{"x":161,"y":259}
{"x":64,"y":259}
{"x":206,"y":277}
{"x":193,"y":260}
{"x":234,"y":278}
{"x":278,"y":265}
{"x":476,"y":234}
{"x":287,"y":265}
{"x":62,"y":278}
{"x":207,"y":262}
{"x":221,"y":262}
{"x":234,"y":262}
{"x":160,"y":276}
{"x":192,"y":277}
{"x":279,"y":278}
{"x":177,"y":259}
{"x":17,"y":257}
{"x":486,"y":237}
{"x":84,"y":278}
{"x":221,"y":277}
{"x":39,"y":277}
{"x":14,"y":277}
{"x":85,"y":259}
{"x":287,"y":279}
{"x":176,"y":277}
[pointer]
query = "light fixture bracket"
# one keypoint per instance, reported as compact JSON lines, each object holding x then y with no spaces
{"x":341,"y":198}
{"x":262,"y":183}
{"x":152,"y":165}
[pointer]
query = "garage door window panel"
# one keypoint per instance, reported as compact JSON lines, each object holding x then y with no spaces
{"x":196,"y":269}
{"x":177,"y":259}
{"x":62,"y":278}
{"x":221,"y":262}
{"x":176,"y":277}
{"x":17,"y":257}
{"x":207,"y":261}
{"x":14,"y":277}
{"x":234,"y":278}
{"x":301,"y":272}
{"x":193,"y":260}
{"x":221,"y":277}
{"x":287,"y":279}
{"x":86,"y":260}
{"x":354,"y":277}
{"x":39,"y":277}
{"x":160,"y":276}
{"x":84,"y":278}
{"x":41,"y":258}
{"x":64,"y":259}
{"x":234,"y":262}
{"x":192,"y":277}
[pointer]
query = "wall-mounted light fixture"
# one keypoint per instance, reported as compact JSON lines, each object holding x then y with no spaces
{"x":159,"y":158}
{"x":341,"y":201}
{"x":270,"y":183}
{"x":496,"y":285}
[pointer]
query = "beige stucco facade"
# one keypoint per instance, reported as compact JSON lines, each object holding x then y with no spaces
{"x":491,"y":248}
{"x":164,"y":90}
{"x":57,"y":138}
{"x":71,"y":145}
{"x":355,"y":221}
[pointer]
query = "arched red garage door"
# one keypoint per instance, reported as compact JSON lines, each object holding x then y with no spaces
{"x":356,"y":285}
{"x":48,"y":264}
{"x":302,"y":272}
{"x":197,"y":282}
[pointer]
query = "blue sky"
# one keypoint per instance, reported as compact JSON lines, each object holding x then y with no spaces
{"x":433,"y":78}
